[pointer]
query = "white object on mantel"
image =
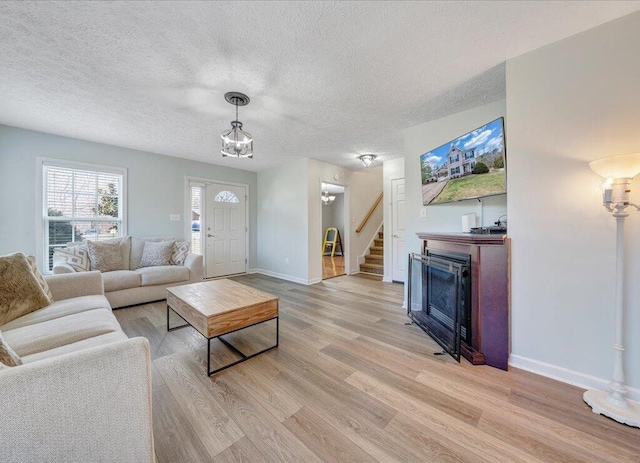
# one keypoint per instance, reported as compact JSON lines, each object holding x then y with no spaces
{"x":468,"y":222}
{"x":619,"y":171}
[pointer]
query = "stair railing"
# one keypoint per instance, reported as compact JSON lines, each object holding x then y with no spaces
{"x":369,"y":214}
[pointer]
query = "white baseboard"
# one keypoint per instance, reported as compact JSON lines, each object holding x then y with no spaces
{"x":282,"y":276}
{"x":565,"y":375}
{"x":387,"y":279}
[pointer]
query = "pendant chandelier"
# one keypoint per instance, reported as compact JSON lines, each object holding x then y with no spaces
{"x":326,"y":198}
{"x":237,"y":143}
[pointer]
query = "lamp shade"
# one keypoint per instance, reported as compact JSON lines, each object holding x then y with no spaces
{"x":623,"y":166}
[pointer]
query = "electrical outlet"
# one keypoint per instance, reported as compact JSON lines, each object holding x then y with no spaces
{"x":174,"y":217}
{"x":423,"y":212}
{"x":286,"y":261}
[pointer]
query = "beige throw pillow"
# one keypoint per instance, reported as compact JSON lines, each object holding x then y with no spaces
{"x":20,"y":292}
{"x":8,"y":356}
{"x":156,"y":254}
{"x":76,"y":256}
{"x":105,"y":257}
{"x":40,"y":278}
{"x":179,"y":252}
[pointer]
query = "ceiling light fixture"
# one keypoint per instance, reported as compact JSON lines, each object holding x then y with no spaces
{"x":367,"y":159}
{"x":326,"y":198}
{"x":237,"y":143}
{"x":618,"y":172}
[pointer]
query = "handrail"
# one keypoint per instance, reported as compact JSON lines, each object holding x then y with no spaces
{"x":366,"y":219}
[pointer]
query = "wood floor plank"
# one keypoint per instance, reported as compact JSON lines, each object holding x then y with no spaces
{"x":173,"y":435}
{"x":242,"y":451}
{"x":324,"y":440}
{"x":209,"y":421}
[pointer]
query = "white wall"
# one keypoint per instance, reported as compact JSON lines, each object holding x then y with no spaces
{"x":283,"y":227}
{"x":391,"y":170}
{"x":569,"y":103}
{"x":156,"y":185}
{"x":446,"y":217}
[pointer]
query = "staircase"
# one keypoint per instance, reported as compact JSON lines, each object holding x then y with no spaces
{"x":373,"y":261}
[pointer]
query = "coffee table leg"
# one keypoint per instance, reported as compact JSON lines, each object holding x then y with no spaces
{"x":244,"y":357}
{"x":175,"y":327}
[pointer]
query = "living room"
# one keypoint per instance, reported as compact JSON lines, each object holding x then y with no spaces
{"x":139,"y":86}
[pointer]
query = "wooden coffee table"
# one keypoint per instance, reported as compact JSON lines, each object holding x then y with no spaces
{"x":219,"y":307}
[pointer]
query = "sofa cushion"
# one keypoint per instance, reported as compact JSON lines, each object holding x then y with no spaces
{"x":20,"y":292}
{"x":105,"y":257}
{"x":58,"y":332}
{"x":150,"y":276}
{"x":8,"y":356}
{"x":156,"y":254}
{"x":59,"y":309}
{"x":137,"y":246}
{"x":77,"y":346}
{"x":77,"y":257}
{"x":120,"y":279}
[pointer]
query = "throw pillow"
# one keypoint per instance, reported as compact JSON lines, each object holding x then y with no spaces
{"x":20,"y":292}
{"x":8,"y":356}
{"x":76,"y":256}
{"x":179,"y":253}
{"x":156,"y":253}
{"x":40,"y":278}
{"x":105,"y":257}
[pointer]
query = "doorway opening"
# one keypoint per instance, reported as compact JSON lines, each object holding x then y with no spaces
{"x":333,"y":229}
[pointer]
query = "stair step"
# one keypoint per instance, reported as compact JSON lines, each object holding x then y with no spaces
{"x":377,"y":250}
{"x":373,"y":259}
{"x":376,"y":269}
{"x":378,"y":242}
{"x":380,"y":235}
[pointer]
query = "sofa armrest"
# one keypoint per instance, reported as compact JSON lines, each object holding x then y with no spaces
{"x":76,"y":284}
{"x":90,"y":405}
{"x":62,"y":267}
{"x":195,"y":264}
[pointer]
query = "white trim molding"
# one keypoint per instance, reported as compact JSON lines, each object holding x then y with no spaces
{"x":565,"y":375}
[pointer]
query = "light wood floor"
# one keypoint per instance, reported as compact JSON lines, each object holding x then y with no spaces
{"x":332,"y":267}
{"x":351,"y":382}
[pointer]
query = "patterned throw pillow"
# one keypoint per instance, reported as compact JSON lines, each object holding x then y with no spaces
{"x":8,"y":356}
{"x":105,"y":257}
{"x":155,"y":254}
{"x":77,"y":257}
{"x":179,"y":253}
{"x":20,"y":292}
{"x":39,"y":277}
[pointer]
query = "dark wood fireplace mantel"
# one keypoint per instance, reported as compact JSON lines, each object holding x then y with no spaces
{"x":489,"y":292}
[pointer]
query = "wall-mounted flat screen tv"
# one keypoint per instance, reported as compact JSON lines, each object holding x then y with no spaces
{"x":471,"y":166}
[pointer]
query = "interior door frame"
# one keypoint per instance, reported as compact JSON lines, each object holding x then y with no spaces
{"x":203,"y":217}
{"x":346,"y":240}
{"x":392,"y":210}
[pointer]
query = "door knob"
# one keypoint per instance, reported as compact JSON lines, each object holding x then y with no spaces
{"x":209,"y":235}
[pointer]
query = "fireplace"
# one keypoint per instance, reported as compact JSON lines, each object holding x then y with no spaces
{"x":458,"y":294}
{"x":444,"y":306}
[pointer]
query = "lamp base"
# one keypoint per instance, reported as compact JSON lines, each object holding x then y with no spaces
{"x":601,"y":405}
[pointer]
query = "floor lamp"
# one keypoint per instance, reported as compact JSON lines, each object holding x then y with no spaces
{"x":618,"y":171}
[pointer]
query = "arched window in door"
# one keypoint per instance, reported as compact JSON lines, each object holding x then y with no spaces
{"x":226,"y":197}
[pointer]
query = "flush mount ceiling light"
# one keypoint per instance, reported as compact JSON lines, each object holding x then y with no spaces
{"x":367,"y":159}
{"x":237,"y":143}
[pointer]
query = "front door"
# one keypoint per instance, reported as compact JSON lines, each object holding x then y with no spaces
{"x":225,"y":232}
{"x":398,"y":258}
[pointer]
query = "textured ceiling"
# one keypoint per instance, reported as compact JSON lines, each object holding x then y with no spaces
{"x":327,"y":80}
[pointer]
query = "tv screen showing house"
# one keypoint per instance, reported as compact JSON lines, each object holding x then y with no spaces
{"x":469,"y":167}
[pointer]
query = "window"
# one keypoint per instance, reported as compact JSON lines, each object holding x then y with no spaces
{"x":196,"y":218}
{"x":226,"y":197}
{"x":80,"y":202}
{"x":454,"y":158}
{"x":455,"y":170}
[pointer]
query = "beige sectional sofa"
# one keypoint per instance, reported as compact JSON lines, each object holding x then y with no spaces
{"x":140,"y":285}
{"x":83,"y":392}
